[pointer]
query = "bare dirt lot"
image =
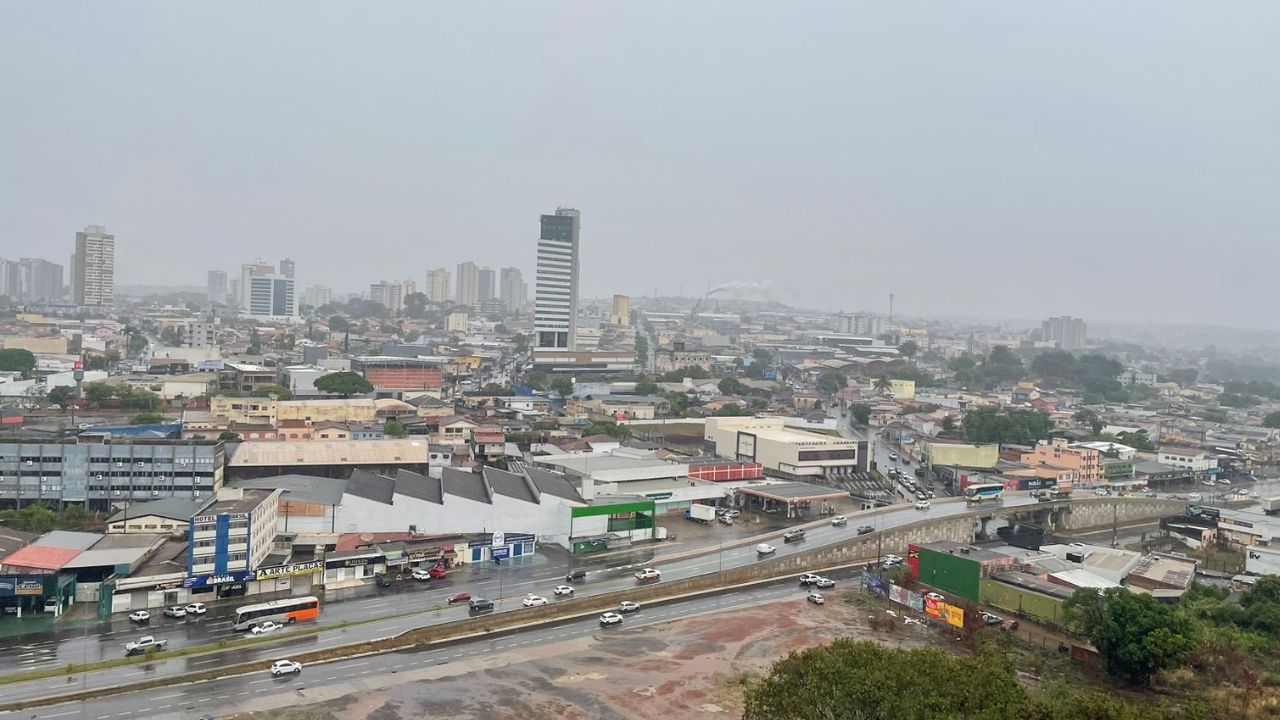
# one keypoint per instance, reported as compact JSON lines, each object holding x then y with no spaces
{"x":685,"y":669}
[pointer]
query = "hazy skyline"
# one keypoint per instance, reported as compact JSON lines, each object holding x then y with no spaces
{"x":1109,"y":161}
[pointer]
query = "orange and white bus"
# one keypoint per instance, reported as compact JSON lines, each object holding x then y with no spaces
{"x":289,"y":610}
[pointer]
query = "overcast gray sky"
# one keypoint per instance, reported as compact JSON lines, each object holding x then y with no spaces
{"x":1111,"y":160}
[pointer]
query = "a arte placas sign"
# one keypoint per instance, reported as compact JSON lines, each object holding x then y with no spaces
{"x":279,"y":571}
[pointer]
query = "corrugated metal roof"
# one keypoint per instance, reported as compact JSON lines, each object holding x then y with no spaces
{"x":365,"y":452}
{"x":41,"y":557}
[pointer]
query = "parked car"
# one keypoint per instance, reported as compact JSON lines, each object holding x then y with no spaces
{"x":824,"y":582}
{"x":611,"y":618}
{"x":534,"y":601}
{"x":285,"y":667}
{"x":563,"y":590}
{"x":839,"y":521}
{"x":266,"y":627}
{"x":384,"y":580}
{"x":808,"y":579}
{"x":479,"y":604}
{"x":732,"y":513}
{"x":795,"y":535}
{"x":817,"y":599}
{"x":725,"y":520}
{"x":1009,"y":626}
{"x":922,"y":504}
{"x":626,"y":606}
{"x":51,"y":605}
{"x":175,"y":611}
{"x":892,"y":561}
{"x":765,"y":549}
{"x":140,"y":616}
{"x":866,"y":530}
{"x":991,"y":619}
{"x":648,"y":574}
{"x":421,"y":575}
{"x":573,"y":575}
{"x":196,"y":609}
{"x":144,"y":643}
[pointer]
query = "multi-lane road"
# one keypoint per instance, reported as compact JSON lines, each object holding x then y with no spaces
{"x":319,"y":682}
{"x":418,"y":607}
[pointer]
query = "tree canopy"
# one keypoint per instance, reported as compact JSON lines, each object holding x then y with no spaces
{"x":345,"y":384}
{"x":1134,"y":633}
{"x":731,"y":410}
{"x":1272,"y":420}
{"x":279,"y":392}
{"x":989,"y":424}
{"x":733,"y":386}
{"x":146,"y":418}
{"x":909,"y":349}
{"x":61,"y":395}
{"x":606,"y":427}
{"x":860,"y":413}
{"x":831,"y":382}
{"x":394,"y":429}
{"x":17,"y":360}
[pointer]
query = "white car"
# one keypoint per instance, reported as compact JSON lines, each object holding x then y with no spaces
{"x":626,"y":606}
{"x":534,"y":601}
{"x":1195,"y":497}
{"x":421,"y":575}
{"x":648,"y":574}
{"x":175,"y":611}
{"x":563,"y":590}
{"x":935,"y":597}
{"x":285,"y":667}
{"x":266,"y":627}
{"x":839,"y":521}
{"x":1224,"y":481}
{"x":765,"y":549}
{"x":808,"y":579}
{"x":823,"y":582}
{"x":196,"y":609}
{"x":140,"y":616}
{"x":817,"y":599}
{"x":611,"y":618}
{"x":922,"y":504}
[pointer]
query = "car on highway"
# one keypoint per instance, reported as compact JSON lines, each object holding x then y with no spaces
{"x":839,"y":521}
{"x":611,"y":618}
{"x":765,"y":549}
{"x":795,"y":535}
{"x":647,"y":574}
{"x":479,"y":604}
{"x":626,"y":606}
{"x":866,"y":530}
{"x":175,"y":611}
{"x":196,"y":609}
{"x":921,"y":495}
{"x":459,"y":598}
{"x":534,"y":601}
{"x":573,"y":575}
{"x":891,"y":561}
{"x":893,"y":457}
{"x":563,"y":590}
{"x":808,"y":579}
{"x":140,"y":616}
{"x":266,"y":627}
{"x":285,"y":667}
{"x":825,"y":582}
{"x":816,"y":599}
{"x":143,"y":644}
{"x":1195,"y":497}
{"x":922,"y":504}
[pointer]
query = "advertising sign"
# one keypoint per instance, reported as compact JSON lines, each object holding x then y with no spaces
{"x":951,"y":614}
{"x":497,"y":539}
{"x":931,"y":607}
{"x":279,"y":571}
{"x":519,"y":538}
{"x":500,"y":553}
{"x":875,"y":585}
{"x":355,"y":562}
{"x":200,"y":581}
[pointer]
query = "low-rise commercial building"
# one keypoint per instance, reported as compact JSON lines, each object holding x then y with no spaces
{"x":1087,"y":462}
{"x":234,"y":534}
{"x":785,"y":452}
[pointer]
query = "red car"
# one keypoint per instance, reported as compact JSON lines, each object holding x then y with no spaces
{"x":459,"y":598}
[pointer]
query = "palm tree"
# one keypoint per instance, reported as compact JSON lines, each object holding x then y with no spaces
{"x":882,"y":384}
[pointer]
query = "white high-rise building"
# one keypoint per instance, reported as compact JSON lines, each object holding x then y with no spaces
{"x":248,"y":271}
{"x":287,"y":268}
{"x":95,"y":279}
{"x":468,"y":283}
{"x":438,"y":285}
{"x":271,"y":296}
{"x":217,"y":287}
{"x":317,"y":296}
{"x":512,"y":289}
{"x":555,"y":315}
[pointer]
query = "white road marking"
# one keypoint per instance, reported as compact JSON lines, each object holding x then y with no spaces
{"x":63,"y":714}
{"x":166,"y":697}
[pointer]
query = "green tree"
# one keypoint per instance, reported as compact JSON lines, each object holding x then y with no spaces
{"x":228,"y":436}
{"x":337,"y":323}
{"x":1272,"y":420}
{"x":345,"y":384}
{"x":394,"y":429}
{"x":964,"y":362}
{"x":731,"y":410}
{"x":909,"y":349}
{"x":522,"y":343}
{"x":1137,"y":440}
{"x":733,"y":386}
{"x":1088,"y":417}
{"x":882,"y":384}
{"x":415,"y":306}
{"x":97,"y":392}
{"x":146,"y":418}
{"x":17,"y":360}
{"x":679,"y":403}
{"x":642,"y":349}
{"x":1232,"y":400}
{"x":62,"y":395}
{"x":1134,"y":633}
{"x":696,"y":372}
{"x":831,"y":382}
{"x":170,"y":336}
{"x":606,"y":427}
{"x":33,"y":519}
{"x":989,"y":424}
{"x":647,"y":387}
{"x":860,"y":413}
{"x":563,"y":385}
{"x":279,"y":392}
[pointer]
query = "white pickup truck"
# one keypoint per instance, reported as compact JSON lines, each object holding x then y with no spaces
{"x":143,"y":644}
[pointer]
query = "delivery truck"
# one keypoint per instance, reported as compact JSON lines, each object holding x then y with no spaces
{"x":701,"y":513}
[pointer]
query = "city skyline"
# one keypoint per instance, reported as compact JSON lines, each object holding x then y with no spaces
{"x":700,"y":159}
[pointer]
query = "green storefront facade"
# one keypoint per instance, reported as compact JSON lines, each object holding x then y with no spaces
{"x":587,"y":534}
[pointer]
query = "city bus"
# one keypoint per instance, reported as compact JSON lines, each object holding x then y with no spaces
{"x":289,"y":610}
{"x":978,"y":492}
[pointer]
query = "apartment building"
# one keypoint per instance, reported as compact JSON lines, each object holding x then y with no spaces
{"x":1086,"y":462}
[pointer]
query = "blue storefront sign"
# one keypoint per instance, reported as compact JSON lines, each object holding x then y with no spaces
{"x":500,"y":553}
{"x":11,"y":586}
{"x":201,"y":581}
